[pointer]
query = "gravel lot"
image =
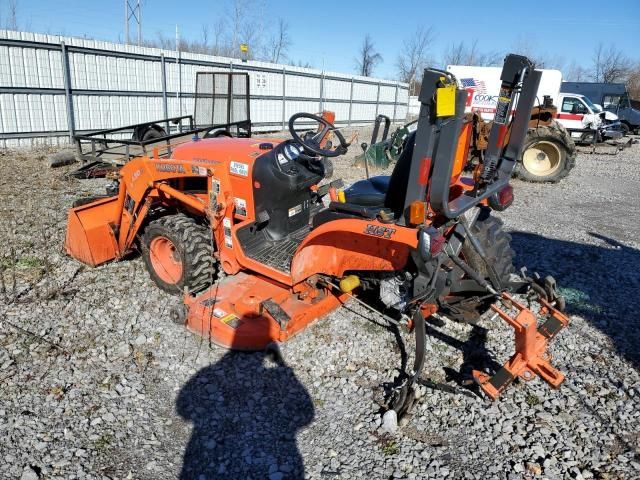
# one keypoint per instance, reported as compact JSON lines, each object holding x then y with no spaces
{"x":105,"y":386}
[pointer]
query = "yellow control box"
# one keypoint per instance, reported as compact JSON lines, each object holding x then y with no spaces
{"x":446,"y":101}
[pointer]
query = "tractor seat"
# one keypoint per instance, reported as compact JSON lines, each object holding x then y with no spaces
{"x":369,"y":193}
{"x":382,"y":191}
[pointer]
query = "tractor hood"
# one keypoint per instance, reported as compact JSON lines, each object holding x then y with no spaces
{"x":223,"y":148}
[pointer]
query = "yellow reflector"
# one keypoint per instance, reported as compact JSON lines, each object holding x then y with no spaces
{"x":446,"y":101}
{"x":341,"y":197}
{"x":349,"y":283}
{"x":416,"y":213}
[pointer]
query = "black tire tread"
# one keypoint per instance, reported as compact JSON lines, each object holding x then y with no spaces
{"x":496,"y":243}
{"x":195,"y":243}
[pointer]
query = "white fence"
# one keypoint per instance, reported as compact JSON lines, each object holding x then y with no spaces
{"x":413,"y":107}
{"x":52,"y":87}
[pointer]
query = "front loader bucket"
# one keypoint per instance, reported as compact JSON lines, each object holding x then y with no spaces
{"x":90,"y":237}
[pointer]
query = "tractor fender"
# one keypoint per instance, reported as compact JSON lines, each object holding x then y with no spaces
{"x":345,"y":245}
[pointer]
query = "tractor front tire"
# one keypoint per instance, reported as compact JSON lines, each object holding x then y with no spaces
{"x":496,"y":243}
{"x":178,"y":253}
{"x":548,"y":155}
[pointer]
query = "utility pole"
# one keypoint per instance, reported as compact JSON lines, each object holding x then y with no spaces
{"x":134,"y":12}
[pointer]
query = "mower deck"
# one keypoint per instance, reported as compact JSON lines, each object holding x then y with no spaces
{"x":248,"y":312}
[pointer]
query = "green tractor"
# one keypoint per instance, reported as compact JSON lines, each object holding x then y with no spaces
{"x":379,"y":153}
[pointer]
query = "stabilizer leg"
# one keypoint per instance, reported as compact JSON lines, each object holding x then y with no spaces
{"x":531,"y":357}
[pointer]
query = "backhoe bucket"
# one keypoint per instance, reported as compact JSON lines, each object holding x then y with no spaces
{"x":90,"y":237}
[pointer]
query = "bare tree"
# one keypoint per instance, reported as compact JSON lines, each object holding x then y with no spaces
{"x":161,"y":41}
{"x":575,"y":73}
{"x":552,"y":61}
{"x":460,"y":54}
{"x":301,"y":64}
{"x":527,"y":46}
{"x":413,"y":58}
{"x":245,"y":27}
{"x":240,"y":24}
{"x":205,"y":34}
{"x":455,"y":55}
{"x":368,"y":58}
{"x":610,"y":64}
{"x":237,"y":14}
{"x":251,"y":36}
{"x":598,"y":60}
{"x":219,"y":46}
{"x":633,"y":82}
{"x":280,"y":42}
{"x":12,"y":18}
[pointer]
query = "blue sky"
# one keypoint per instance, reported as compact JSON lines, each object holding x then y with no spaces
{"x":328,"y":33}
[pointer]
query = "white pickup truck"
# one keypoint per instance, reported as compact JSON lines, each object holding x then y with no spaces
{"x":549,"y":152}
{"x":575,"y":111}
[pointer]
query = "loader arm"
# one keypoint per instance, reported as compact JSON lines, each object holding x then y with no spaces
{"x":438,"y":134}
{"x":105,"y":230}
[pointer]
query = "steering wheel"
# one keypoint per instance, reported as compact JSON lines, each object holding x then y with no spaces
{"x":312,"y":142}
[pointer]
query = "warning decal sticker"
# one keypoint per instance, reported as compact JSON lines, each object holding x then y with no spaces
{"x":241,"y":206}
{"x":239,"y":168}
{"x":232,"y":320}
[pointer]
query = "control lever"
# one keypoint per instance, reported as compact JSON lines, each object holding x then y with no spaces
{"x":352,"y":139}
{"x":364,"y":147}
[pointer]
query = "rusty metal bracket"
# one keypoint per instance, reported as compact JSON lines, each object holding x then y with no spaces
{"x":531,"y":357}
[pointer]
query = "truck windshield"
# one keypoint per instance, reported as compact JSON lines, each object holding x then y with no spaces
{"x":591,"y":105}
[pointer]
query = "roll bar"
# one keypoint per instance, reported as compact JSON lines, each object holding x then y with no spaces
{"x":437,"y":136}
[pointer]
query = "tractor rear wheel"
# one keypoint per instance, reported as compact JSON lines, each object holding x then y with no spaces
{"x":178,"y":253}
{"x":548,"y":155}
{"x":496,"y":243}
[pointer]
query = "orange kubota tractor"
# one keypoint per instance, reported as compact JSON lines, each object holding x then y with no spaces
{"x":420,"y":241}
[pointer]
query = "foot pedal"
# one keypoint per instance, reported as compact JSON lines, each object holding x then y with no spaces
{"x":531,"y":357}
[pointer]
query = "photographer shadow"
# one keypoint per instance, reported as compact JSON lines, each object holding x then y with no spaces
{"x":246,"y":411}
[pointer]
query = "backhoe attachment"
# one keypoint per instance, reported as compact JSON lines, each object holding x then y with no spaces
{"x":531,"y":357}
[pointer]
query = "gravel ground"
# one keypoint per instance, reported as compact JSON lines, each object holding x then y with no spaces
{"x":96,"y":382}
